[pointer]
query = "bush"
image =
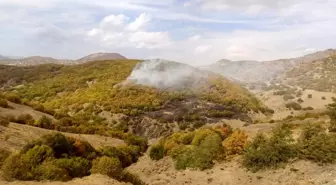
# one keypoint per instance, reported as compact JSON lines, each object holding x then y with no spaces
{"x":38,"y":154}
{"x":12,"y":97}
{"x":264,"y":152}
{"x":315,"y":145}
{"x":308,"y":108}
{"x":75,"y":166}
{"x":3,"y":155}
{"x":25,"y":119}
{"x":107,"y":166}
{"x":323,"y":98}
{"x":4,"y":122}
{"x":131,"y":178}
{"x":293,"y":105}
{"x":300,"y":100}
{"x":137,"y":140}
{"x":15,"y":167}
{"x":201,"y":157}
{"x":235,"y":143}
{"x":3,"y":103}
{"x":59,"y":143}
{"x":113,"y":152}
{"x":156,"y":152}
{"x":49,"y":171}
{"x":310,"y":96}
{"x":44,"y":122}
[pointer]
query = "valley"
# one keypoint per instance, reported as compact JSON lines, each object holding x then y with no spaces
{"x":160,"y":122}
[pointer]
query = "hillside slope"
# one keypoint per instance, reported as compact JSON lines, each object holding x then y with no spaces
{"x":105,"y":92}
{"x":318,"y":75}
{"x":255,"y":71}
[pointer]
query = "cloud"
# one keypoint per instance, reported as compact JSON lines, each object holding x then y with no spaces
{"x":194,"y":32}
{"x":139,"y":23}
{"x":202,"y":48}
{"x":114,"y":30}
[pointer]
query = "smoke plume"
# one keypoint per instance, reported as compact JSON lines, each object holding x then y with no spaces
{"x":167,"y":75}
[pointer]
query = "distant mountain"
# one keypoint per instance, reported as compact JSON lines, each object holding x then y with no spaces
{"x":38,"y":60}
{"x":254,"y":71}
{"x":101,"y":56}
{"x":3,"y":58}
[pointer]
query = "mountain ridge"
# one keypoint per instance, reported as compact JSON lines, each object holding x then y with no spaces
{"x":38,"y":60}
{"x":250,"y":71}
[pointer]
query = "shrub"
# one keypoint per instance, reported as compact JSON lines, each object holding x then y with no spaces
{"x":200,"y":157}
{"x":156,"y":152}
{"x":4,"y":122}
{"x":200,"y":135}
{"x":113,"y":152}
{"x":75,"y":166}
{"x":107,"y":166}
{"x":44,"y":122}
{"x":59,"y":143}
{"x":137,"y":140}
{"x":3,"y":103}
{"x":25,"y":119}
{"x":49,"y":171}
{"x":38,"y":154}
{"x":314,"y":144}
{"x":293,"y":105}
{"x":332,"y":114}
{"x":264,"y":152}
{"x":310,"y":96}
{"x":323,"y":98}
{"x":129,"y":154}
{"x":300,"y":100}
{"x":13,"y":98}
{"x":235,"y":143}
{"x":3,"y":155}
{"x":131,"y":178}
{"x":15,"y":167}
{"x":84,"y":149}
{"x":272,"y":121}
{"x":308,"y":108}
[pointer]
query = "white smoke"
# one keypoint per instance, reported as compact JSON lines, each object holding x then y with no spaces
{"x":167,"y":75}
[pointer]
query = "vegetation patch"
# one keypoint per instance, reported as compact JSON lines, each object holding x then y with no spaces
{"x":58,"y":158}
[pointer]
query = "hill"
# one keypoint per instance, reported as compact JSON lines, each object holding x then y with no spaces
{"x":114,"y":94}
{"x":38,"y":60}
{"x":265,"y":71}
{"x":101,"y":56}
{"x":318,"y":75}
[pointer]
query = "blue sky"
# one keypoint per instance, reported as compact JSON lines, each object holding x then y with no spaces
{"x":192,"y":31}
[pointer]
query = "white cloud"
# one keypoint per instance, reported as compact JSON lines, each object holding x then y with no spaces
{"x":202,"y":49}
{"x":140,"y":22}
{"x":113,"y":30}
{"x":194,"y":38}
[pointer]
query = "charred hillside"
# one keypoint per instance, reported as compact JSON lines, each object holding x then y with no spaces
{"x":150,"y":98}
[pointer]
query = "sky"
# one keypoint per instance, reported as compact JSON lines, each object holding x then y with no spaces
{"x":196,"y":32}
